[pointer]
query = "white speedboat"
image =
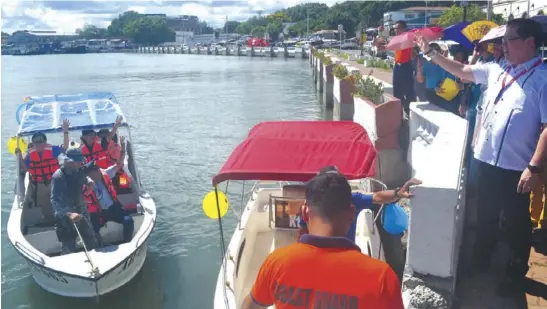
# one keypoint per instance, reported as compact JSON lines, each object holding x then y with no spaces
{"x":281,"y":156}
{"x":84,"y":273}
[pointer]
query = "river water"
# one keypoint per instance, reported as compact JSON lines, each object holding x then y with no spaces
{"x":188,"y":112}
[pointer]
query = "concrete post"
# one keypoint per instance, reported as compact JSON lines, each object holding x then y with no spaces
{"x":328,"y":81}
{"x":343,"y":107}
{"x":319,"y":73}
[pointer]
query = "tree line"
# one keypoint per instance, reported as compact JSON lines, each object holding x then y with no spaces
{"x":304,"y":18}
{"x":352,"y":15}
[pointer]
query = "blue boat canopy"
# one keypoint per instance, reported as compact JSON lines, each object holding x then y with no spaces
{"x":97,"y":110}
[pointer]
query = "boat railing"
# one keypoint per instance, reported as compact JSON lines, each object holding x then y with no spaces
{"x":29,"y":253}
{"x":144,"y":232}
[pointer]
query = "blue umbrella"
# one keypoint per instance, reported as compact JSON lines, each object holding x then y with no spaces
{"x":454,"y":33}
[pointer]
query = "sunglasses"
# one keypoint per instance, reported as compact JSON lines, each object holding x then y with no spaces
{"x":38,"y":141}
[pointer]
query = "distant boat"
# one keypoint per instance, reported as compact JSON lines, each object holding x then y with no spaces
{"x":80,"y":49}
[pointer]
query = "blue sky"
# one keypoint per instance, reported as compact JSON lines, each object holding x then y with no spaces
{"x":67,"y":16}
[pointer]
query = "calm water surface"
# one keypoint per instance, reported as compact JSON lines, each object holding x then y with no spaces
{"x":189,"y":112}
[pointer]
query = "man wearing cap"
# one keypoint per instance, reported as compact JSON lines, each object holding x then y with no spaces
{"x":68,"y":202}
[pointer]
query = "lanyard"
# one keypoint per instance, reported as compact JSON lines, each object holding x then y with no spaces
{"x":506,"y":86}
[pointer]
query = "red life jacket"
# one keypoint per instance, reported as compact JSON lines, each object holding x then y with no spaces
{"x":42,"y":166}
{"x":93,"y":205}
{"x":98,"y":154}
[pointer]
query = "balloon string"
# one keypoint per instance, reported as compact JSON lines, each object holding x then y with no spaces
{"x":222,"y":245}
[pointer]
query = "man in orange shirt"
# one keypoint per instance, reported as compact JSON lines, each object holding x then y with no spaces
{"x":403,"y":72}
{"x":325,"y":269}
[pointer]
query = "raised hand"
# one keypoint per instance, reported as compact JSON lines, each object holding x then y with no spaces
{"x":66,"y":125}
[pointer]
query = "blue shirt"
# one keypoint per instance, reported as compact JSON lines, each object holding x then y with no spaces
{"x":57,"y":150}
{"x":361,"y":202}
{"x":433,"y":73}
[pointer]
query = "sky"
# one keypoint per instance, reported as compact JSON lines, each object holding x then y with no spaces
{"x":67,"y":16}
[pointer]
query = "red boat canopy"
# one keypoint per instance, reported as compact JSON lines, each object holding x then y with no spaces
{"x":297,"y":150}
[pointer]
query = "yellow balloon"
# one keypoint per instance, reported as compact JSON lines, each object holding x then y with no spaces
{"x":210,"y":204}
{"x":12,"y":145}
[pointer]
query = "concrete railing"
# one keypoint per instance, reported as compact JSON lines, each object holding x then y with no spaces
{"x":436,"y":153}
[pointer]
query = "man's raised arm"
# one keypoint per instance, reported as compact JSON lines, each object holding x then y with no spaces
{"x":456,"y":68}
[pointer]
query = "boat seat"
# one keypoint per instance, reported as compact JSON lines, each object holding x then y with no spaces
{"x":46,"y":240}
{"x":32,"y":216}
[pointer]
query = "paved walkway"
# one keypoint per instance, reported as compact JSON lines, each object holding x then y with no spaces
{"x":386,"y":76}
{"x":478,"y":292}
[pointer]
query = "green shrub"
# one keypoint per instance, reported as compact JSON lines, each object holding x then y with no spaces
{"x":354,"y":77}
{"x":360,"y":61}
{"x":327,"y":61}
{"x":340,"y":71}
{"x":367,"y":88}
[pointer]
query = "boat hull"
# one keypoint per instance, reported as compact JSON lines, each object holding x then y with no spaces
{"x":74,"y":286}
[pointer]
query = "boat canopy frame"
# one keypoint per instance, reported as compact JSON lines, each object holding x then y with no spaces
{"x":297,"y":150}
{"x":90,"y":111}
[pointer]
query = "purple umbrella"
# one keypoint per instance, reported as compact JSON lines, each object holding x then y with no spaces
{"x":454,"y":33}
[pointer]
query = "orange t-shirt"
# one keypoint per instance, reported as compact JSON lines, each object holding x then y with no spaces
{"x":403,"y":55}
{"x":306,"y":276}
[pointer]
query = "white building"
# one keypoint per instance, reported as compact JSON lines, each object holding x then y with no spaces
{"x":517,"y":8}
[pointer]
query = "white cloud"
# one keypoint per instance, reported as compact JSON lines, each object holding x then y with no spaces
{"x":67,"y":16}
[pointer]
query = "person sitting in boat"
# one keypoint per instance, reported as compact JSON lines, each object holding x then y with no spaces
{"x":68,"y":202}
{"x":92,"y":147}
{"x":325,"y":266}
{"x":102,"y":200}
{"x":121,"y":181}
{"x":363,"y":201}
{"x":41,"y":162}
{"x":110,"y":145}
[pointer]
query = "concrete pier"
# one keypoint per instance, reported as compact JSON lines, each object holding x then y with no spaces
{"x":270,"y":51}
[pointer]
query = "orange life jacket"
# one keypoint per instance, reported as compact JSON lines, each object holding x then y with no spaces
{"x":93,"y":205}
{"x":42,"y":166}
{"x":98,"y":154}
